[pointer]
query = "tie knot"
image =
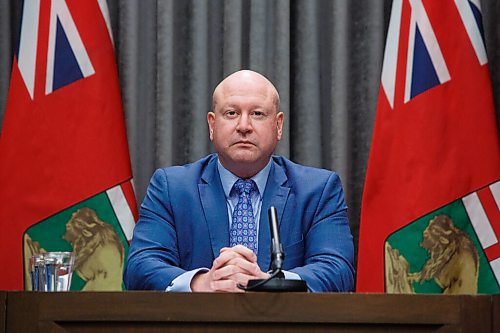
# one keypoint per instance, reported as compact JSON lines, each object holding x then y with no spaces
{"x":245,"y":186}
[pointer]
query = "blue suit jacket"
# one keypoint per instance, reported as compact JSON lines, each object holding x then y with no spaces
{"x":184,"y":223}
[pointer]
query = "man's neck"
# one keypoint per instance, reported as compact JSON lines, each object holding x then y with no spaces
{"x":244,"y":171}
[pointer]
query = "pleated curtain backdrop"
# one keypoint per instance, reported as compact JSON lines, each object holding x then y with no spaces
{"x":324,"y":56}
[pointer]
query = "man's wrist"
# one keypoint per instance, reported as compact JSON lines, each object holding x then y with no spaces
{"x":200,"y":281}
{"x":182,"y":283}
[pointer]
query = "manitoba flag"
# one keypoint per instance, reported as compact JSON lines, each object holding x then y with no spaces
{"x":430,"y":218}
{"x":65,"y":174}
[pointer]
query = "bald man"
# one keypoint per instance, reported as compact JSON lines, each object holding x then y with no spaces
{"x":204,"y":227}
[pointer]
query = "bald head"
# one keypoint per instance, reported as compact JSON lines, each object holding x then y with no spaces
{"x":245,"y":124}
{"x":244,"y":80}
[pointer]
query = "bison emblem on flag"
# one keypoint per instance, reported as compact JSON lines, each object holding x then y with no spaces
{"x":453,"y":250}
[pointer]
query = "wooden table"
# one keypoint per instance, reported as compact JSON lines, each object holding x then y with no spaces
{"x":250,"y":312}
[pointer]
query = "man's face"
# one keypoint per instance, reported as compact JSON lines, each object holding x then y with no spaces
{"x":245,"y":126}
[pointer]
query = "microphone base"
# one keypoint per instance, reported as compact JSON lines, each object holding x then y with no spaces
{"x":279,"y":285}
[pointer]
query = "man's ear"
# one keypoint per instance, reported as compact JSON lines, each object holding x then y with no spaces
{"x":211,"y":124}
{"x":279,"y":123}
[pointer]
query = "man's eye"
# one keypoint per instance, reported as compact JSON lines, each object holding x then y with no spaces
{"x":258,"y":114}
{"x":230,"y":114}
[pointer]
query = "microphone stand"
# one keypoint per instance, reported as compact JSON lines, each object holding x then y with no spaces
{"x":276,"y":281}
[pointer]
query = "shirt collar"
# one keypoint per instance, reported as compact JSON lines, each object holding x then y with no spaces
{"x":228,"y":178}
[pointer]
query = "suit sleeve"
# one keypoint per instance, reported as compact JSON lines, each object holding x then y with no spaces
{"x":153,"y":261}
{"x":329,"y":249}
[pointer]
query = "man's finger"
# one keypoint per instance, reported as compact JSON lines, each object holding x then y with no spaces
{"x":227,"y":270}
{"x":241,"y":278}
{"x":225,"y":285}
{"x":246,"y":266}
{"x":223,"y":258}
{"x":245,"y":252}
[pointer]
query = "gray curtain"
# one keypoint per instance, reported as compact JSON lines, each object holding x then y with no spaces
{"x":324,"y":56}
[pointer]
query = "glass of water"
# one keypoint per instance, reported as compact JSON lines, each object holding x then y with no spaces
{"x":52,"y":271}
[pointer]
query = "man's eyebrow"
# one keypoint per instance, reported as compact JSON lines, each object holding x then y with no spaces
{"x":226,"y":107}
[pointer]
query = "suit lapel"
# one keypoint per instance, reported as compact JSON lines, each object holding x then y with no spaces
{"x":275,"y":194}
{"x":214,"y":205}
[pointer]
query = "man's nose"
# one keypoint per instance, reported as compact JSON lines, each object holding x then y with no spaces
{"x":244,"y":123}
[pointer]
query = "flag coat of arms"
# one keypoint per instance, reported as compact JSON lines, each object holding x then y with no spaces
{"x":65,"y":169}
{"x":430,"y":218}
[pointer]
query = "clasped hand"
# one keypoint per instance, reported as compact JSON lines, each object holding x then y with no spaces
{"x":233,"y":266}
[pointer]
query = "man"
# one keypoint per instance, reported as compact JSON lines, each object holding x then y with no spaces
{"x":204,"y":226}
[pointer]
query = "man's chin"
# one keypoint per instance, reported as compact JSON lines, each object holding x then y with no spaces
{"x":243,"y":156}
{"x":244,"y":160}
{"x":240,"y":164}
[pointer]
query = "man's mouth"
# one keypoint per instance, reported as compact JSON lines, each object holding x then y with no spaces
{"x":244,"y":143}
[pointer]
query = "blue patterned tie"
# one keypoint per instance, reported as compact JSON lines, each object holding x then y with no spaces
{"x":243,"y":228}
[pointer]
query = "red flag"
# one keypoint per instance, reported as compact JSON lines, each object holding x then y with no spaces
{"x":435,"y":138}
{"x":65,"y":168}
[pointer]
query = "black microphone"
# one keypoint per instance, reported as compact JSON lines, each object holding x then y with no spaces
{"x":277,"y":255}
{"x":276,"y":280}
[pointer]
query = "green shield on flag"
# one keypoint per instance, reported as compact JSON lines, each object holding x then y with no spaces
{"x":438,"y":253}
{"x":92,"y":231}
